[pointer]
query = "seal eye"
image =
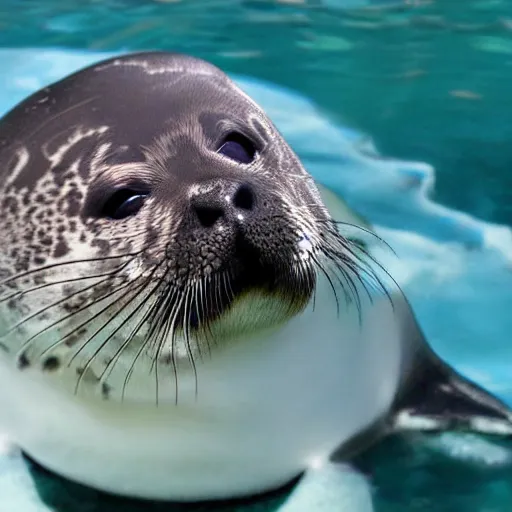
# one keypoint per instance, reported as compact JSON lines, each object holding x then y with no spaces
{"x":239,"y":148}
{"x":123,"y":203}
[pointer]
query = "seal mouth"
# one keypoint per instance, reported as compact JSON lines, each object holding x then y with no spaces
{"x":280,"y":279}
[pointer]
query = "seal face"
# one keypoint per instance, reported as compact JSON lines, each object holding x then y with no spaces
{"x":154,"y":197}
{"x":181,"y":316}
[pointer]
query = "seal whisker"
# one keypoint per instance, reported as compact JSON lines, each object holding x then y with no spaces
{"x":159,"y":329}
{"x":355,"y":250}
{"x":226,"y":278}
{"x":192,"y":318}
{"x":217,"y":292}
{"x":346,"y":257}
{"x":128,"y":375}
{"x":163,"y":313}
{"x":18,"y":324}
{"x":207,"y":305}
{"x":83,"y":324}
{"x":381,"y":267}
{"x":174,"y":367}
{"x":348,"y":251}
{"x":326,"y":274}
{"x":305,"y":278}
{"x":63,"y":281}
{"x":346,"y":271}
{"x":144,"y":320}
{"x":30,"y":272}
{"x":359,"y":228}
{"x":198,"y":312}
{"x":206,"y":327}
{"x":169,"y":329}
{"x":365,"y":266}
{"x":141,"y":304}
{"x":186,"y":333}
{"x":343,"y":262}
{"x":357,"y":272}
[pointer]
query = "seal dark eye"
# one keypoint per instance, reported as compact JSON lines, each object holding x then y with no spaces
{"x":238,"y":147}
{"x":123,"y":203}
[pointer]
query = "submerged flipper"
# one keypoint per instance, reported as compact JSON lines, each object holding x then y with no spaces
{"x":437,"y":398}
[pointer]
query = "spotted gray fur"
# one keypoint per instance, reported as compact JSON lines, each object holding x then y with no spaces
{"x":132,"y":121}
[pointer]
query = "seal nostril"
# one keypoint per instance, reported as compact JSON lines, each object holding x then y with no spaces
{"x":244,"y":198}
{"x":208,"y":215}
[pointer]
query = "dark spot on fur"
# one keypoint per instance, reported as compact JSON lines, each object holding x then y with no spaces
{"x":75,"y":337}
{"x":51,"y":364}
{"x":166,"y":359}
{"x":21,"y":264}
{"x":73,"y":206}
{"x":105,"y":391}
{"x":59,"y":173}
{"x":38,"y":260}
{"x":62,"y":205}
{"x":88,"y":375}
{"x":70,"y":307}
{"x":23,"y":362}
{"x":61,"y":249}
{"x":39,"y":279}
{"x":101,"y":244}
{"x":11,"y":205}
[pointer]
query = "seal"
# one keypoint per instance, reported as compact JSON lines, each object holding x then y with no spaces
{"x":184,"y":313}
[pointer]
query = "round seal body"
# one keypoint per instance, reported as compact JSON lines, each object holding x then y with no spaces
{"x":181,"y":317}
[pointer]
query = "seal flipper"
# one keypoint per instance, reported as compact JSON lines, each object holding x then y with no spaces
{"x":437,"y":398}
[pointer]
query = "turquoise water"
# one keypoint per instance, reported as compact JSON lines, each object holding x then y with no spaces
{"x":402,"y":109}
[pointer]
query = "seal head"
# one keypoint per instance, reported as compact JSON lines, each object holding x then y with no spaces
{"x":157,"y":175}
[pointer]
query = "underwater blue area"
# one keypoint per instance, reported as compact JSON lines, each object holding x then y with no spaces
{"x":455,"y":269}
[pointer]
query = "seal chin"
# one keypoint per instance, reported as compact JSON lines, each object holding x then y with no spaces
{"x":253,"y":312}
{"x":252,"y":294}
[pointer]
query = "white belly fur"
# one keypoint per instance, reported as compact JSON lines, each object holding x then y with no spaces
{"x":266,"y":410}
